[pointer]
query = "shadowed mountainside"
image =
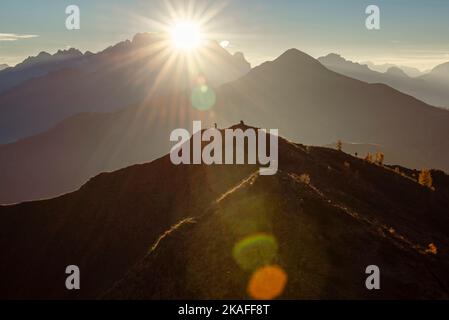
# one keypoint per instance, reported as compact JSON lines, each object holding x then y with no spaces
{"x":327,"y":228}
{"x":65,"y":157}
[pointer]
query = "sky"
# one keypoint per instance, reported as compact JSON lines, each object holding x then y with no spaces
{"x":412,"y":32}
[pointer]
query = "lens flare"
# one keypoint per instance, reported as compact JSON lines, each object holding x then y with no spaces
{"x":267,"y":283}
{"x":255,"y":251}
{"x":203,"y":97}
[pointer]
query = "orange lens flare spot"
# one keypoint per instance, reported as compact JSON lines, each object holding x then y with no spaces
{"x":267,"y":283}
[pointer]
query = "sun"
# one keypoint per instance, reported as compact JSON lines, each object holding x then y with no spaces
{"x":186,"y":35}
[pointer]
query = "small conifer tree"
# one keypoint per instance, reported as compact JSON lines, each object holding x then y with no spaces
{"x":339,"y":145}
{"x":369,"y":157}
{"x":425,"y":178}
{"x":304,"y":178}
{"x":380,"y":157}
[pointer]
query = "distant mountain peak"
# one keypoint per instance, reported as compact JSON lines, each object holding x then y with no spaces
{"x":294,"y":53}
{"x":41,"y":57}
{"x":239,"y":55}
{"x":42,"y":54}
{"x":397,"y":72}
{"x":294,"y":57}
{"x":68,"y":52}
{"x":44,"y":57}
{"x":240,"y":58}
{"x":334,"y":57}
{"x":336,"y":60}
{"x":144,"y":38}
{"x":441,"y":70}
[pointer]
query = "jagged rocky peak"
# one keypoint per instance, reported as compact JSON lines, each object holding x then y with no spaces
{"x":68,"y":52}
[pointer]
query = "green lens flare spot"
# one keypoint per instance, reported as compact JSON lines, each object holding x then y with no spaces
{"x":203,"y":97}
{"x":255,"y":251}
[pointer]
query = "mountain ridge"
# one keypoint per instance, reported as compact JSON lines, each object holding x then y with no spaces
{"x":38,"y":66}
{"x":430,"y":87}
{"x":321,"y":201}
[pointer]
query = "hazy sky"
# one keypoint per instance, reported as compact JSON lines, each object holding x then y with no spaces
{"x":413,"y":32}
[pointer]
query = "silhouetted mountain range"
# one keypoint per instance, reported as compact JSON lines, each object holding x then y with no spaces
{"x":162,"y":231}
{"x":69,"y":82}
{"x":410,"y":71}
{"x":38,"y":66}
{"x":440,"y":72}
{"x":295,"y":93}
{"x":3,"y":66}
{"x":431,"y":87}
{"x":311,"y":104}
